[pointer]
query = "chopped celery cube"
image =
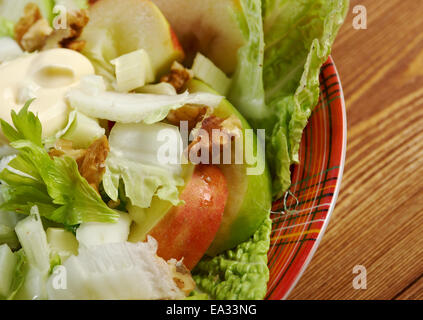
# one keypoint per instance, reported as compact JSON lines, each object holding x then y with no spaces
{"x":205,"y":70}
{"x":82,"y":130}
{"x":97,"y":233}
{"x":133,"y":70}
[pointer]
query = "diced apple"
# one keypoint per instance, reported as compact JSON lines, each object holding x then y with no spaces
{"x":117,"y":28}
{"x":208,"y":26}
{"x":62,"y":243}
{"x":187,"y":231}
{"x":97,"y":233}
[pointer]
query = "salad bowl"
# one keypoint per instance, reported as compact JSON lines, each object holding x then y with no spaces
{"x":300,"y":219}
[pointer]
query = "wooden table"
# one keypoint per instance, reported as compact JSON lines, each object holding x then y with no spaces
{"x":378,"y":220}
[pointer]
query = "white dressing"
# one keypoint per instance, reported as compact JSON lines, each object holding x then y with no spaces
{"x":45,"y":76}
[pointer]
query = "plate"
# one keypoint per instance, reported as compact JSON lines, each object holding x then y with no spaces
{"x":302,"y":216}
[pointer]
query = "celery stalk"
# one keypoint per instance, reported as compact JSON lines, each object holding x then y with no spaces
{"x":7,"y":267}
{"x":206,"y":71}
{"x":34,"y":241}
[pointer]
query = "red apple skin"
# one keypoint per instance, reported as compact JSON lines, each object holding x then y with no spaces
{"x":176,"y":44}
{"x":188,"y":230}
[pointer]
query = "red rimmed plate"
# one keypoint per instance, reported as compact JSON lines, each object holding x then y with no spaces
{"x":301,"y":218}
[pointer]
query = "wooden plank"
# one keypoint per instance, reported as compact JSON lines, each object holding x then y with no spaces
{"x":413,"y":292}
{"x":378,"y":220}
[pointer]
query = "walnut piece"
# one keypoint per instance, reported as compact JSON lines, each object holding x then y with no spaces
{"x":189,"y":112}
{"x":35,"y":37}
{"x":31,"y":15}
{"x":214,"y":133}
{"x":31,"y":31}
{"x":178,"y":76}
{"x":92,"y":166}
{"x":68,"y":37}
{"x":64,"y":147}
{"x":91,"y":161}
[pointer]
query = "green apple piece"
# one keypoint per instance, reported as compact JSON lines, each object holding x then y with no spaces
{"x":146,"y":218}
{"x":205,"y":70}
{"x":211,"y":27}
{"x":116,"y":29}
{"x":13,"y":10}
{"x":250,"y":196}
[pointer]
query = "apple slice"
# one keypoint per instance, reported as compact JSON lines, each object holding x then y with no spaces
{"x":208,"y":26}
{"x":187,"y":231}
{"x":249,"y":196}
{"x":120,"y":27}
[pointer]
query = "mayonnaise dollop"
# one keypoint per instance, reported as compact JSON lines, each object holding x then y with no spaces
{"x":45,"y":76}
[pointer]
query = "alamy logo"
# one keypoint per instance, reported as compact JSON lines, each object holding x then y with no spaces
{"x":216,"y":146}
{"x":360,"y":281}
{"x":60,"y":19}
{"x":360,"y":20}
{"x":59,"y":278}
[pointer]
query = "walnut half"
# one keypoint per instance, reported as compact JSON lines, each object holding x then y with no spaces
{"x":91,"y":161}
{"x":214,"y":133}
{"x":31,"y":31}
{"x":93,"y":165}
{"x":178,"y":76}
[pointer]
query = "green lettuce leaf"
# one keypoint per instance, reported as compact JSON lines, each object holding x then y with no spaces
{"x":247,"y":91}
{"x":134,"y":159}
{"x":53,"y":185}
{"x":299,"y":35}
{"x":237,"y":274}
{"x":92,"y":99}
{"x":276,"y":83}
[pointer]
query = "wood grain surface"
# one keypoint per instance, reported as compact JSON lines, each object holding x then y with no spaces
{"x":378,"y":219}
